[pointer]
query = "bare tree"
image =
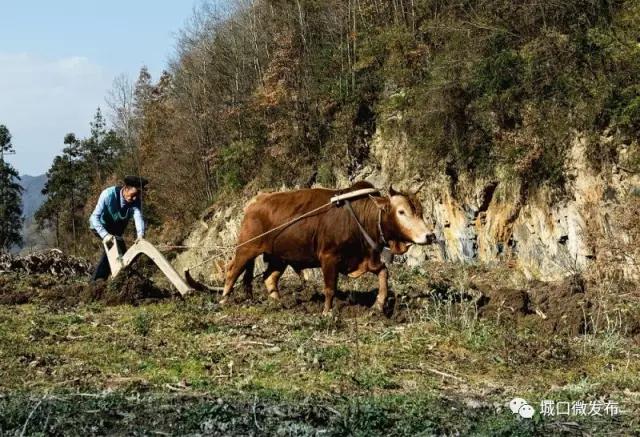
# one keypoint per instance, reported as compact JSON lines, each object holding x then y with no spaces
{"x":120,"y":100}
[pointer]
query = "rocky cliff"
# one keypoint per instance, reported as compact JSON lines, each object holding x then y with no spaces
{"x":545,"y":234}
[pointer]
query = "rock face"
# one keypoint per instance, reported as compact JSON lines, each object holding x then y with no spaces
{"x":212,"y":238}
{"x":544,"y":236}
{"x":547,"y":237}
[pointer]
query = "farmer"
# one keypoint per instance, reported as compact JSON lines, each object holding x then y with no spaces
{"x":116,"y":205}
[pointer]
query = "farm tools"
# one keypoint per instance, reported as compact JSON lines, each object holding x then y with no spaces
{"x":118,"y":261}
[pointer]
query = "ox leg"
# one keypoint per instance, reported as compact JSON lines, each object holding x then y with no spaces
{"x":247,"y":279}
{"x":330,"y":273}
{"x":272,"y":275}
{"x":237,"y":265}
{"x":271,"y":282}
{"x":383,"y":289}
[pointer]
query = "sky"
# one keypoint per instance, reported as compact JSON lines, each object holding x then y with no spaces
{"x":58,"y":60}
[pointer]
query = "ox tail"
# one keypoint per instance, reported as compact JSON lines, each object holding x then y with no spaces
{"x":199,"y":286}
{"x":196,"y":285}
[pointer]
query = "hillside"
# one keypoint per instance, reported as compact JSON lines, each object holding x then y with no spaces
{"x":519,"y":124}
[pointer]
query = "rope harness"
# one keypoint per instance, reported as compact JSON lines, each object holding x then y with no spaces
{"x":385,"y":252}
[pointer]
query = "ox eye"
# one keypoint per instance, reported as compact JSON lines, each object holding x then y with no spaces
{"x":401,"y":212}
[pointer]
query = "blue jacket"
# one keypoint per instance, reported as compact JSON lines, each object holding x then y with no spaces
{"x":112,"y":213}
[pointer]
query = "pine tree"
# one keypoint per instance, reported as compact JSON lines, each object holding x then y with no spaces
{"x":99,"y":151}
{"x":68,"y":181}
{"x":10,"y":196}
{"x":142,"y":93}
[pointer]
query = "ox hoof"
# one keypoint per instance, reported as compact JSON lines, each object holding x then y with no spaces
{"x":224,"y":301}
{"x":378,"y":307}
{"x":274,"y":295}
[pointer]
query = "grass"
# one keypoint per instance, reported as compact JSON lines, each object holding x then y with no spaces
{"x":443,"y":370}
{"x":210,"y":415}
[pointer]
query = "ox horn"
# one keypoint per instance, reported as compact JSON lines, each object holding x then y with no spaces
{"x":392,"y":192}
{"x":418,"y":188}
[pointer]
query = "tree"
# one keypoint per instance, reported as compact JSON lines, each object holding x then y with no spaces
{"x":10,"y":196}
{"x":142,"y":92}
{"x":63,"y":188}
{"x":120,"y":102}
{"x":99,"y":151}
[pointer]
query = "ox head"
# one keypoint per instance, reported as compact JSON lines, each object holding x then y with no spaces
{"x":402,"y":221}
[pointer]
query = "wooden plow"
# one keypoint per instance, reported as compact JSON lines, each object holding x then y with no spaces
{"x":118,"y":261}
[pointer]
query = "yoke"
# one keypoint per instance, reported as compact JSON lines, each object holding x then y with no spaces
{"x":118,"y":261}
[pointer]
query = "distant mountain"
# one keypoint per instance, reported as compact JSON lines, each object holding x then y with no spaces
{"x":32,"y":196}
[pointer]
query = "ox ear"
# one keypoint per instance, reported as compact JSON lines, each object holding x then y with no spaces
{"x":392,"y":192}
{"x":381,"y":202}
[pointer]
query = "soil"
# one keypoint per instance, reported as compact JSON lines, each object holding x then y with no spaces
{"x":131,"y":286}
{"x":557,"y":307}
{"x":569,"y":307}
{"x":52,"y":262}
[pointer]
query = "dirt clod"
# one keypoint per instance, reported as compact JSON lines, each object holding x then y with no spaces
{"x":52,"y":262}
{"x":131,"y":286}
{"x":69,"y":286}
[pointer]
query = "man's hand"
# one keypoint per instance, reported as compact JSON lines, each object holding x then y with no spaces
{"x":108,"y":239}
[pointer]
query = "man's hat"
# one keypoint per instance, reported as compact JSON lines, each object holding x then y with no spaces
{"x":135,"y":181}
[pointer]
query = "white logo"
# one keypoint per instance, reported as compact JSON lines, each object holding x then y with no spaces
{"x":521,"y":407}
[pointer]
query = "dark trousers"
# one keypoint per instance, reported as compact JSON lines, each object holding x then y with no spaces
{"x":103,"y":270}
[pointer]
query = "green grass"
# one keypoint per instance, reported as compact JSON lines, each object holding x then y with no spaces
{"x":380,"y":376}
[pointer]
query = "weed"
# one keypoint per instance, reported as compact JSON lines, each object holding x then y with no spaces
{"x":142,"y":323}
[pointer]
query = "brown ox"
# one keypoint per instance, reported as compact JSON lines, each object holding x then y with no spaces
{"x":329,"y":238}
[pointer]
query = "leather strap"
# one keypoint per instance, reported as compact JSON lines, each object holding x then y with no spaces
{"x":375,"y":247}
